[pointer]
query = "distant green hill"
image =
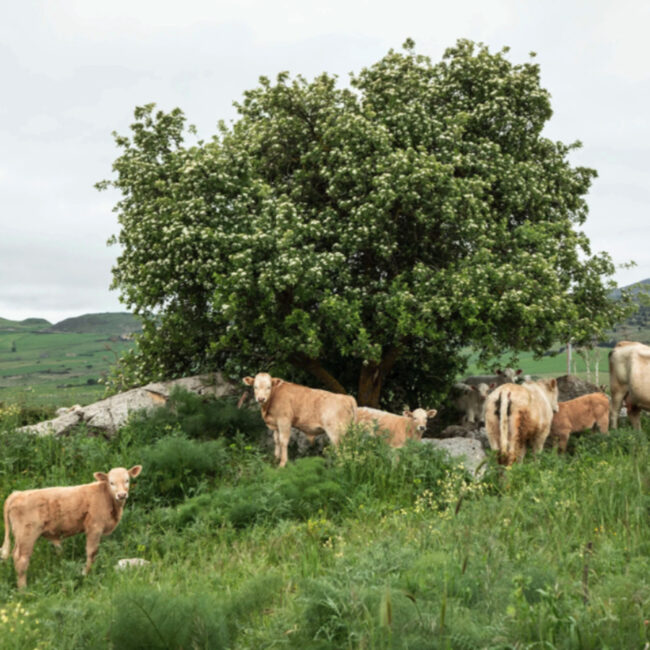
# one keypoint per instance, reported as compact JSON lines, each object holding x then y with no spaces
{"x":29,"y":325}
{"x":110,"y":323}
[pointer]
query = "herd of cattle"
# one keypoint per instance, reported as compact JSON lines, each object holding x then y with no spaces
{"x":516,"y":416}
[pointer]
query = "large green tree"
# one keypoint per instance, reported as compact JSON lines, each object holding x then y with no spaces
{"x":360,"y":237}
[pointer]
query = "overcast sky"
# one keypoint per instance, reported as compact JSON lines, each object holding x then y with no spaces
{"x":73,"y":70}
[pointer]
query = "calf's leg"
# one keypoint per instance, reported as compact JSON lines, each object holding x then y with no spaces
{"x":284,"y":433}
{"x":93,"y":538}
{"x":22,"y":553}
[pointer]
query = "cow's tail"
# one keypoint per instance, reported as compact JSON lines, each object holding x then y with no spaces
{"x":6,"y":547}
{"x":504,"y":412}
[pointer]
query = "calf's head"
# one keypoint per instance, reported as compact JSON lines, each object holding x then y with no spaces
{"x":420,"y":417}
{"x":117,"y":480}
{"x":262,"y":385}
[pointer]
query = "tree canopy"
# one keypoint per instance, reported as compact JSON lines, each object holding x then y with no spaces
{"x":359,"y":238}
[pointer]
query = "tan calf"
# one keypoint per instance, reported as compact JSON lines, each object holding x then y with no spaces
{"x":56,"y":512}
{"x":313,"y":411}
{"x":400,"y":428}
{"x":517,"y":416}
{"x":579,"y":414}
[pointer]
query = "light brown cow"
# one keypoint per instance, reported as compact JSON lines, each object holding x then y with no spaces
{"x":56,"y":512}
{"x":313,"y":411}
{"x":629,"y":380}
{"x":520,"y":415}
{"x":400,"y":428}
{"x":578,"y":414}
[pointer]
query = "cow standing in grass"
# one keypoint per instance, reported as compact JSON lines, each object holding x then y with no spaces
{"x":579,"y":414}
{"x":517,"y":416}
{"x":629,"y":380}
{"x":57,"y":512}
{"x":312,"y":411}
{"x":399,"y":428}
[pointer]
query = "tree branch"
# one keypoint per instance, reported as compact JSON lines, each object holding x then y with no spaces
{"x":314,"y":368}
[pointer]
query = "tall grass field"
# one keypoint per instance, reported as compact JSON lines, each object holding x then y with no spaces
{"x":366,"y":547}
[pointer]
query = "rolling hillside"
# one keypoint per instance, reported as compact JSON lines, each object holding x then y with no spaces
{"x":61,"y":364}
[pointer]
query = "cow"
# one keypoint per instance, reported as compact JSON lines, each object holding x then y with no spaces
{"x":578,"y":414}
{"x":313,"y":411}
{"x":509,"y":375}
{"x":57,"y":512}
{"x":400,"y":428}
{"x":629,"y":380}
{"x":520,"y":415}
{"x":469,"y":399}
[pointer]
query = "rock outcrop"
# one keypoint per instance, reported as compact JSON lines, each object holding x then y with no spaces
{"x":109,"y":414}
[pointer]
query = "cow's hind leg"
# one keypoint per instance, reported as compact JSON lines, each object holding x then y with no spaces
{"x":22,"y":554}
{"x":634,"y":414}
{"x":618,"y":394}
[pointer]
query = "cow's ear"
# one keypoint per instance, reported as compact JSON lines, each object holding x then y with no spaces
{"x":473,"y":387}
{"x":552,"y":383}
{"x":499,"y":371}
{"x":101,"y":476}
{"x":519,"y":371}
{"x":407,"y":414}
{"x":492,"y":385}
{"x":276,"y":381}
{"x":249,"y":381}
{"x":431,"y":413}
{"x":135,"y":470}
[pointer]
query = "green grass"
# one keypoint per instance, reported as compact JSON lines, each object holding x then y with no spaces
{"x":366,"y":548}
{"x":553,"y":365}
{"x":55,"y":369}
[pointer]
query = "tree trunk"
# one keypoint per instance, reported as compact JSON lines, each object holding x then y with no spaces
{"x":370,"y":381}
{"x":371,"y":378}
{"x":314,"y":368}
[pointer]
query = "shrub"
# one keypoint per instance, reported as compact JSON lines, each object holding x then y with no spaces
{"x":176,"y":466}
{"x":153,"y":618}
{"x":196,"y":417}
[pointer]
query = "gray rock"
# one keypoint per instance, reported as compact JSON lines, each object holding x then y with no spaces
{"x":570,"y":387}
{"x":130,"y":562}
{"x":108,"y":415}
{"x":470,"y":452}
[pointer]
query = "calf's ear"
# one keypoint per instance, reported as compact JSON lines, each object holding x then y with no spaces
{"x":101,"y":476}
{"x":276,"y":381}
{"x":135,"y":470}
{"x":431,"y":413}
{"x":407,"y":414}
{"x":249,"y":381}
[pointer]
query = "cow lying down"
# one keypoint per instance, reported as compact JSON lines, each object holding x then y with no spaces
{"x":56,"y":512}
{"x":399,"y":428}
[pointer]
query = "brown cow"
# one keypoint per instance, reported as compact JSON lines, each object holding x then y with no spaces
{"x":56,"y":512}
{"x":629,"y":380}
{"x":579,"y":414}
{"x":313,"y":411}
{"x":519,"y":415}
{"x":400,"y":428}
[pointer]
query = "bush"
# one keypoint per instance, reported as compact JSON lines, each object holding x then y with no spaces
{"x":152,"y":618}
{"x":176,"y":466}
{"x":196,"y":417}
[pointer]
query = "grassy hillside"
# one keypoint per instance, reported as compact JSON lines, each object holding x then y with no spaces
{"x":367,"y":548}
{"x":55,"y":368}
{"x":29,"y":324}
{"x":111,"y":324}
